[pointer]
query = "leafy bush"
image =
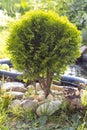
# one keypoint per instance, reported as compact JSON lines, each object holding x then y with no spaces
{"x":3,"y":37}
{"x":41,"y":44}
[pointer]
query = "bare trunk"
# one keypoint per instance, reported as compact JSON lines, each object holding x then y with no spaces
{"x":47,"y":90}
{"x":45,"y":83}
{"x":48,"y":83}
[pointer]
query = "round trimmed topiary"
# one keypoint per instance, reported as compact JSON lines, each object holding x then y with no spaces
{"x":41,"y":44}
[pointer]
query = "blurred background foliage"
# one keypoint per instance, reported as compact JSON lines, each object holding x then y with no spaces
{"x":11,"y":10}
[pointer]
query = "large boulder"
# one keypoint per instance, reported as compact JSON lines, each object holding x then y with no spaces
{"x":48,"y":108}
{"x":14,"y":86}
{"x":29,"y":104}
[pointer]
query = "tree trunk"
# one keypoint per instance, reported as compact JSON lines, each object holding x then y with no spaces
{"x":48,"y":83}
{"x":45,"y":83}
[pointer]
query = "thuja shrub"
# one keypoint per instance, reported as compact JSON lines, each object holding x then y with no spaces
{"x":42,"y":43}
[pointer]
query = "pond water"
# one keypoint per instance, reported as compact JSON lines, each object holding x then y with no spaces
{"x":79,"y":69}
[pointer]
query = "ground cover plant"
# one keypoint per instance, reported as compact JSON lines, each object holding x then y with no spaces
{"x":44,"y":44}
{"x":66,"y":118}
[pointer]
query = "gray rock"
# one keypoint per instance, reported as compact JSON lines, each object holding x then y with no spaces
{"x":30,"y":105}
{"x":31,"y":88}
{"x":48,"y":108}
{"x":15,"y":103}
{"x":57,"y":87}
{"x":38,"y":88}
{"x":17,"y":95}
{"x":14,"y":86}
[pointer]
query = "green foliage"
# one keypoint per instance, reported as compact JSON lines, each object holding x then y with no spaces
{"x":4,"y":102}
{"x":44,"y":44}
{"x":67,"y":118}
{"x":16,"y":112}
{"x":21,"y":6}
{"x":2,"y":50}
{"x":14,"y":6}
{"x":8,"y":5}
{"x":42,"y":120}
{"x":3,"y":37}
{"x":3,"y":127}
{"x":43,"y":40}
{"x":84,"y":98}
{"x":75,"y":10}
{"x":77,"y":13}
{"x":84,"y":35}
{"x":24,"y":6}
{"x":59,"y":6}
{"x":3,"y":116}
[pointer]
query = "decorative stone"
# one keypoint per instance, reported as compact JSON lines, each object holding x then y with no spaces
{"x":76,"y":103}
{"x":41,"y":92}
{"x":48,"y":108}
{"x":30,"y":105}
{"x":55,"y":92}
{"x":57,"y":87}
{"x":15,"y":103}
{"x":14,"y":86}
{"x":31,"y":87}
{"x":41,"y":97}
{"x":38,"y":86}
{"x":50,"y":97}
{"x":14,"y":94}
